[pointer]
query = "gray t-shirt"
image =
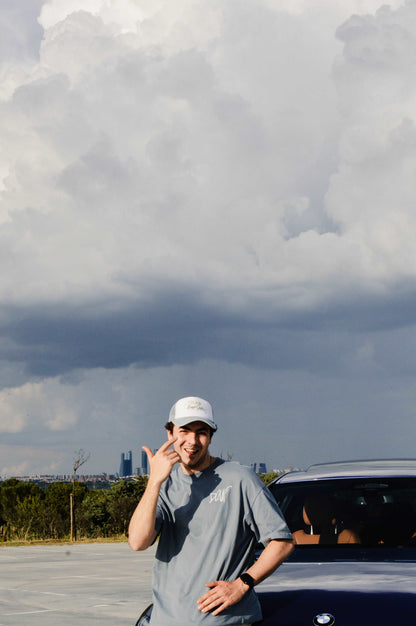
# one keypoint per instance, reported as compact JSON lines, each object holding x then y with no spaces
{"x":209,"y":525}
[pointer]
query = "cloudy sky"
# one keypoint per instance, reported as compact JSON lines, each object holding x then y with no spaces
{"x":214,"y":198}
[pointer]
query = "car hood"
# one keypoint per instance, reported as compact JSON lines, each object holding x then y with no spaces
{"x":353,"y":593}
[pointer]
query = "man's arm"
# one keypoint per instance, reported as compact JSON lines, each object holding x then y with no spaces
{"x":142,"y":531}
{"x":224,"y":593}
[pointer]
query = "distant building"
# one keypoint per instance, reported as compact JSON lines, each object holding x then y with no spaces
{"x":143,"y":470}
{"x":145,"y":464}
{"x":126,"y":464}
{"x":259,"y":468}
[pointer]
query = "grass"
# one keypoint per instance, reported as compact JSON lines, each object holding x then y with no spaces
{"x":64,"y":542}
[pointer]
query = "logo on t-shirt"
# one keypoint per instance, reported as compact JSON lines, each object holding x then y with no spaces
{"x":220,"y":495}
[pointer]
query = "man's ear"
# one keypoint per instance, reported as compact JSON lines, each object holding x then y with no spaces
{"x":170,"y":434}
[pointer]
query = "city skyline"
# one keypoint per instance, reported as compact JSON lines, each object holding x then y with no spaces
{"x":127,"y":468}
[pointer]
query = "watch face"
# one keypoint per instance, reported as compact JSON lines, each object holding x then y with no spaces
{"x":248,"y":580}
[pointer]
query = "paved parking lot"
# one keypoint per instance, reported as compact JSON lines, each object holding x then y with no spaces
{"x":62,"y":585}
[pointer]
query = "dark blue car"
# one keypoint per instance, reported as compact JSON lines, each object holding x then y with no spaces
{"x":355,"y":559}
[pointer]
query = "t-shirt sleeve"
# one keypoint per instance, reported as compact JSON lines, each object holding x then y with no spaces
{"x":264,"y":516}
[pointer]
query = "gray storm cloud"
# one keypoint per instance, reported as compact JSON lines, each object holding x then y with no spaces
{"x":222,"y":181}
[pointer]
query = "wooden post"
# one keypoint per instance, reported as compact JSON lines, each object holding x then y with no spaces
{"x":71,"y":513}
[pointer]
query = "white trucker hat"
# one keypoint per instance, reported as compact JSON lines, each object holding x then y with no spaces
{"x":192,"y":409}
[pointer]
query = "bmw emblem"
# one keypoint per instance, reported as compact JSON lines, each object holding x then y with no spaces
{"x":324,"y":619}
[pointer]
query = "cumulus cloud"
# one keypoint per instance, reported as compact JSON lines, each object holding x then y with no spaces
{"x":138,"y":157}
{"x":207,"y":181}
{"x":35,"y":403}
{"x":372,"y":194}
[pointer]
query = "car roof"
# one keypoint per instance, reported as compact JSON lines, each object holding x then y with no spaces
{"x":353,"y":469}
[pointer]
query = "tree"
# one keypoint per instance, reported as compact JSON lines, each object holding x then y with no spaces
{"x":13,"y":495}
{"x":29,"y":518}
{"x":57,"y":515}
{"x":124,"y":497}
{"x":93,"y":516}
{"x":80,"y":458}
{"x":267,"y":478}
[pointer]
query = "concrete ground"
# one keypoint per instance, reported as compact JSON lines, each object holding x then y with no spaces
{"x":62,"y":585}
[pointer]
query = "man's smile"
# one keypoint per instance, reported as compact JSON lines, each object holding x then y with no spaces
{"x":192,"y":446}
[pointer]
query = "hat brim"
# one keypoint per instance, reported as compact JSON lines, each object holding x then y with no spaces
{"x":184,"y":421}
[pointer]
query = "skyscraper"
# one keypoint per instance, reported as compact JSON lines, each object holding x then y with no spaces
{"x":145,"y":465}
{"x":259,"y":468}
{"x":126,"y":464}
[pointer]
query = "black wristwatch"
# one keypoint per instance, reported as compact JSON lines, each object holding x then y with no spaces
{"x":247,"y":580}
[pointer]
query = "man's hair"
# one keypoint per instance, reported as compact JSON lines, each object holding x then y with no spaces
{"x":169,"y":426}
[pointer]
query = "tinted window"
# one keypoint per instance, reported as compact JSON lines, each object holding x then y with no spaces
{"x":377,"y":513}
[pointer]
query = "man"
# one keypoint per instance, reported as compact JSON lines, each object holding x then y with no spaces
{"x":210,"y":514}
